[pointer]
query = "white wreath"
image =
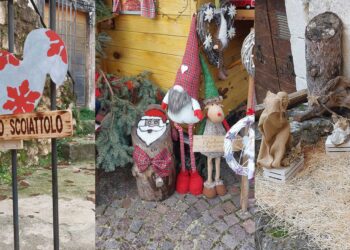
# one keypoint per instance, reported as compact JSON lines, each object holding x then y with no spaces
{"x":247,"y":168}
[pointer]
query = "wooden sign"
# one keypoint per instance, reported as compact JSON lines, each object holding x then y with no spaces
{"x":13,"y":144}
{"x":211,"y":144}
{"x":40,"y":125}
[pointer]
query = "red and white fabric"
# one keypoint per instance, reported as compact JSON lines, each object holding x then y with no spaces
{"x":148,"y":8}
{"x":160,"y":163}
{"x":116,"y":8}
{"x":188,"y":75}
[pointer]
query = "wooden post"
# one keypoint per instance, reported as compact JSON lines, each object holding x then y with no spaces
{"x":245,"y":181}
{"x":323,"y":51}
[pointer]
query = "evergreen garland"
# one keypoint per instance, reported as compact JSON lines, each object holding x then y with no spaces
{"x":101,"y":41}
{"x":102,"y":11}
{"x":126,"y":99}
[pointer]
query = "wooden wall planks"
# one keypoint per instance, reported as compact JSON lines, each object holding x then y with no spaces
{"x":157,"y":45}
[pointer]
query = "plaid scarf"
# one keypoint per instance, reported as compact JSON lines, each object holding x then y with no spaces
{"x":148,"y":8}
{"x":116,"y":6}
{"x":160,"y":163}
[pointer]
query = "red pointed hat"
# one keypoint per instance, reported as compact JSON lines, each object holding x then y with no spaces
{"x":188,"y":75}
{"x":155,"y":112}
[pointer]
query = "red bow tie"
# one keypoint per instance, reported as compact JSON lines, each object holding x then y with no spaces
{"x":160,"y":163}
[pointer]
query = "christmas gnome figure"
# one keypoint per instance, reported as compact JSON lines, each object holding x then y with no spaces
{"x":154,"y":165}
{"x":183,"y":108}
{"x":215,"y":125}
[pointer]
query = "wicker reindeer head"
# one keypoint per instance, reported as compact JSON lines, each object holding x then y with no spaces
{"x":215,"y":29}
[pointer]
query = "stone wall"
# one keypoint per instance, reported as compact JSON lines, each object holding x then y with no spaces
{"x":25,"y":21}
{"x":299,"y":13}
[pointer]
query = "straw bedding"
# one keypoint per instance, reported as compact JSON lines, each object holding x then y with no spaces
{"x":316,"y":201}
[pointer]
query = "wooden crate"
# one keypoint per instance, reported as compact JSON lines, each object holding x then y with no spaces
{"x":283,"y":174}
{"x":332,"y":149}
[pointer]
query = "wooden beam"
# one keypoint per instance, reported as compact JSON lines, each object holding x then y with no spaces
{"x":245,"y":15}
{"x":295,"y":99}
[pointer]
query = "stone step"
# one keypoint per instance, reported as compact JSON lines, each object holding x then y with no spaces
{"x":79,"y":149}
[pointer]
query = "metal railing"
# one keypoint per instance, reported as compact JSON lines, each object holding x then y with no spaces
{"x":53,"y":141}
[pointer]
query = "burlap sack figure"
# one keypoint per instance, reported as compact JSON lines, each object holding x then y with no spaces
{"x":275,"y":130}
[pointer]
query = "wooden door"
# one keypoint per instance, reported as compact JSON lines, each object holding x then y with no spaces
{"x":273,"y":56}
{"x":72,"y":26}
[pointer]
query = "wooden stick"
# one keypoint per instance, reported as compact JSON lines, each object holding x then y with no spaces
{"x":245,"y":181}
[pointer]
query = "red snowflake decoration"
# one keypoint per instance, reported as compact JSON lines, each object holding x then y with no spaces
{"x":57,"y":47}
{"x":7,"y":58}
{"x":22,"y":102}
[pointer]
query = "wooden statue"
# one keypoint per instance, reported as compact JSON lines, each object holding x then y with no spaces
{"x":323,"y":64}
{"x":214,"y":125}
{"x":154,"y":166}
{"x":275,"y":130}
{"x":323,"y":51}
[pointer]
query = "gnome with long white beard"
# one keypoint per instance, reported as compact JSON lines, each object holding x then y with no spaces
{"x":183,"y":108}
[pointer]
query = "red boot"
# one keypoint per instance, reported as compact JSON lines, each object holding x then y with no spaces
{"x":183,"y":182}
{"x":196,"y":183}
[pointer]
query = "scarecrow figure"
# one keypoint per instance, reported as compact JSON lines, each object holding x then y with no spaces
{"x":183,"y":108}
{"x":215,"y":125}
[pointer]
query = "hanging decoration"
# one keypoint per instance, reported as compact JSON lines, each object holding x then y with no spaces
{"x":223,"y":17}
{"x":247,"y":54}
{"x":22,"y":82}
{"x":247,"y":167}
